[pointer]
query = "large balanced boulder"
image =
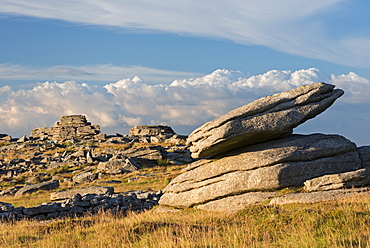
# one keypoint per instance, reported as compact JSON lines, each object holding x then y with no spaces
{"x":264,"y":119}
{"x":267,"y":166}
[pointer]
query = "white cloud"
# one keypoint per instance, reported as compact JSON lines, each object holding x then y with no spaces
{"x":295,"y":27}
{"x":183,"y":104}
{"x":90,"y":73}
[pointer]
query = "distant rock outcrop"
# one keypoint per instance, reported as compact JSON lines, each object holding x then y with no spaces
{"x":264,"y":119}
{"x":151,"y":130}
{"x":69,"y":127}
{"x":5,"y":137}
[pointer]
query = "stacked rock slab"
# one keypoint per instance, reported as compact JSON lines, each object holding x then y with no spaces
{"x":268,"y":166}
{"x":69,"y":127}
{"x":253,"y":153}
{"x":264,"y":119}
{"x":152,"y":130}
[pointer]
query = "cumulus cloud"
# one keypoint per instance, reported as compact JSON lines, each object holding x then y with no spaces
{"x":296,"y":27}
{"x":184,"y":104}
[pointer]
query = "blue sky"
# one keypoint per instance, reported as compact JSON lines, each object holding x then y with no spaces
{"x":99,"y":43}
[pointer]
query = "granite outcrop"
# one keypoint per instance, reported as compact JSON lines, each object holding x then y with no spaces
{"x":250,"y":153}
{"x":69,"y":127}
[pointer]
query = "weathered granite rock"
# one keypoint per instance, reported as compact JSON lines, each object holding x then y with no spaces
{"x":85,"y":177}
{"x":264,"y":119}
{"x":10,"y":191}
{"x":90,"y":190}
{"x":41,"y":209}
{"x":148,"y":152}
{"x":319,"y":196}
{"x":364,"y":152}
{"x":117,"y":166}
{"x":151,"y":130}
{"x":5,"y":137}
{"x":6,"y":207}
{"x":69,"y":127}
{"x":275,"y":164}
{"x":22,"y":139}
{"x":36,"y":187}
{"x":237,"y":203}
{"x":349,"y":179}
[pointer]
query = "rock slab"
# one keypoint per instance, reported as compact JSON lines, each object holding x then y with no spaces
{"x":36,"y":187}
{"x":349,"y":179}
{"x":268,"y":166}
{"x":264,"y":119}
{"x":90,"y":190}
{"x":319,"y":196}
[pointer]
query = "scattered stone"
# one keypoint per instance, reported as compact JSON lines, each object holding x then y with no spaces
{"x":10,"y":191}
{"x":153,"y":153}
{"x":85,"y":177}
{"x":264,"y":119}
{"x":117,"y":166}
{"x":50,"y":185}
{"x":22,"y":139}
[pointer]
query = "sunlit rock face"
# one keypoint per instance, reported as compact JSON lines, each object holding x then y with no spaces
{"x":264,"y":119}
{"x":250,"y":153}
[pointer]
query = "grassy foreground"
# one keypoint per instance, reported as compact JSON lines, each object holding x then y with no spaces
{"x":344,"y":223}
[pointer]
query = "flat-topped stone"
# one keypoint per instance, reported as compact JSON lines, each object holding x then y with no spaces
{"x":72,"y":119}
{"x":151,"y":130}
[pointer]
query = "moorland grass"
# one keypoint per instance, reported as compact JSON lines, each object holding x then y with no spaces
{"x":344,"y":223}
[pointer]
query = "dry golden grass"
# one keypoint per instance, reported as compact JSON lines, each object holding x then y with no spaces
{"x":343,"y":223}
{"x":28,"y":200}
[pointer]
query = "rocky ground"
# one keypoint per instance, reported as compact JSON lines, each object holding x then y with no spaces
{"x":70,"y":167}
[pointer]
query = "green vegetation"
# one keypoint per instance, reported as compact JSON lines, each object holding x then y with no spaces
{"x":162,"y":162}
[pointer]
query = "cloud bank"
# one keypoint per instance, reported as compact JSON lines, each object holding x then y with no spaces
{"x":301,"y":28}
{"x":183,"y":104}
